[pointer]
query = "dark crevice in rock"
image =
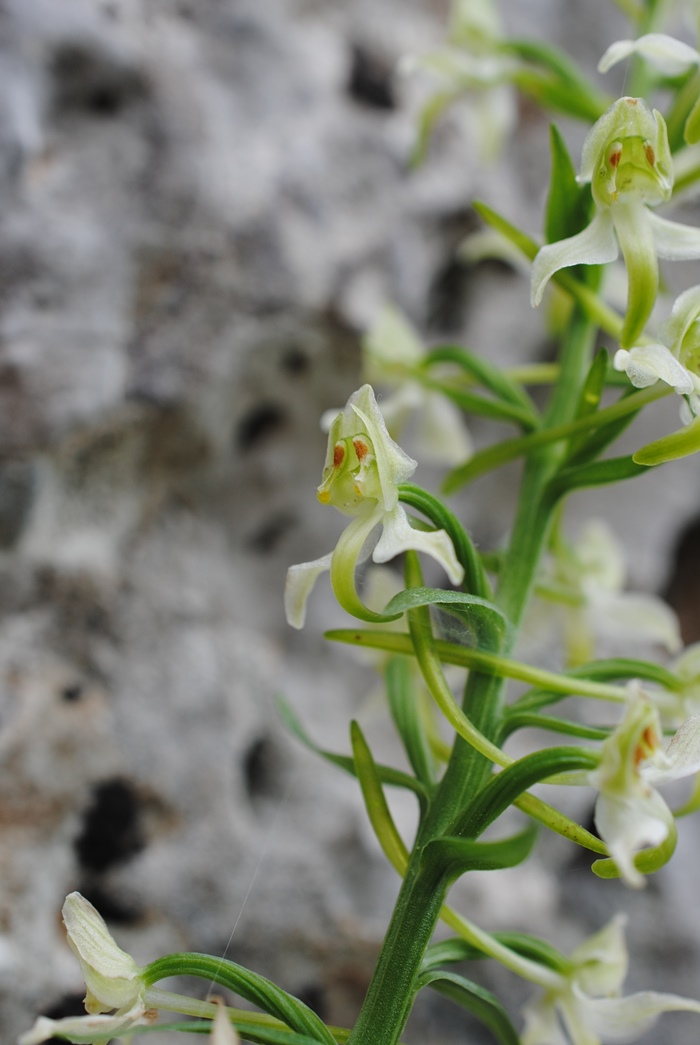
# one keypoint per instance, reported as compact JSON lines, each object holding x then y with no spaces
{"x":262,"y":770}
{"x":682,"y":589}
{"x":268,"y":536}
{"x":114,"y":909}
{"x":112,"y":831}
{"x":370,"y":81}
{"x":258,"y":424}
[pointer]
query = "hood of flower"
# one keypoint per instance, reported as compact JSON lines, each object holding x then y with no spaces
{"x":626,"y":155}
{"x":363,"y":463}
{"x":112,"y":977}
{"x":635,"y":741}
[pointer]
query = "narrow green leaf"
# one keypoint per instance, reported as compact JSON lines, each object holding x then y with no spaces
{"x":455,"y":949}
{"x":246,"y":1031}
{"x":405,"y":712}
{"x":507,"y":786}
{"x":480,"y":1002}
{"x":377,"y":809}
{"x":484,"y":372}
{"x":460,"y":855}
{"x":256,"y":989}
{"x":485,"y":623}
{"x":388,"y":775}
{"x":443,"y":519}
{"x":601,"y":473}
{"x":568,"y":203}
{"x":473,"y":403}
{"x":670,"y":447}
{"x":571,"y":91}
{"x":530,"y":720}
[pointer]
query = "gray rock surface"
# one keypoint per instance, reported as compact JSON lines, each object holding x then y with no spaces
{"x":203,"y":203}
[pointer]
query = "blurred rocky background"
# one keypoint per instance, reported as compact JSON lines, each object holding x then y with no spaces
{"x":202,"y":205}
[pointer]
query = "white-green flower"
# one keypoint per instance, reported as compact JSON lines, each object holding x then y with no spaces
{"x":473,"y":63}
{"x":587,"y":1009}
{"x":627,"y":160}
{"x":390,"y":353}
{"x":363,"y":470}
{"x":114,"y":984}
{"x":677,"y":705}
{"x":584,"y":586}
{"x":629,"y":812}
{"x":675,"y":359}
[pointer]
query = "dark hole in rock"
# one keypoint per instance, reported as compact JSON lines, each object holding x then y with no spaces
{"x":113,"y":909}
{"x":269,"y":535}
{"x":261,"y":769}
{"x":259,"y":423}
{"x":314,"y":996}
{"x":71,"y":694}
{"x":88,"y":79}
{"x":111,"y":833}
{"x":16,"y":494}
{"x":682,"y":589}
{"x":370,"y":81}
{"x":294,"y":361}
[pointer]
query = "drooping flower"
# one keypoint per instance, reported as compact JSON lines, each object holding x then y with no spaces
{"x":629,"y":812}
{"x":363,"y":470}
{"x":223,"y":1031}
{"x":627,"y":160}
{"x":675,"y":359}
{"x":587,"y":1008}
{"x":583,"y":583}
{"x":390,"y":352}
{"x":114,"y":984}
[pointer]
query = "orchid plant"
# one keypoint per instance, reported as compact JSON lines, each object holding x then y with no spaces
{"x":635,"y":159}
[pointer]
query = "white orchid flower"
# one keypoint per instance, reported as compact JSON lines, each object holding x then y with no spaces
{"x":587,"y":1009}
{"x":361,"y":477}
{"x":670,"y":56}
{"x":473,"y":64}
{"x":675,"y":360}
{"x":584,"y":584}
{"x":114,"y":982}
{"x":629,"y":812}
{"x":677,"y":705}
{"x":627,"y":160}
{"x":390,"y":351}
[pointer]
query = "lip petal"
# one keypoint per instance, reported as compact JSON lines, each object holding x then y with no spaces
{"x":595,"y":245}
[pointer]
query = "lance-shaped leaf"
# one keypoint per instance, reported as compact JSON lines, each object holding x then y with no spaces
{"x":257,"y":989}
{"x":459,"y":855}
{"x":477,"y":1000}
{"x":405,"y":711}
{"x":486,"y":624}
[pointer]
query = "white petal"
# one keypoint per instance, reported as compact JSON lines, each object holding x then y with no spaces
{"x":619,"y":1020}
{"x":223,"y":1032}
{"x":682,"y":755}
{"x":673,"y":240}
{"x":399,"y":536}
{"x":671,"y":57}
{"x":299,"y":585}
{"x":596,"y":245}
{"x":394,"y":466}
{"x":633,"y":616}
{"x":627,"y":824}
{"x":542,"y":1025}
{"x":647,"y":364}
{"x":86,"y":1030}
